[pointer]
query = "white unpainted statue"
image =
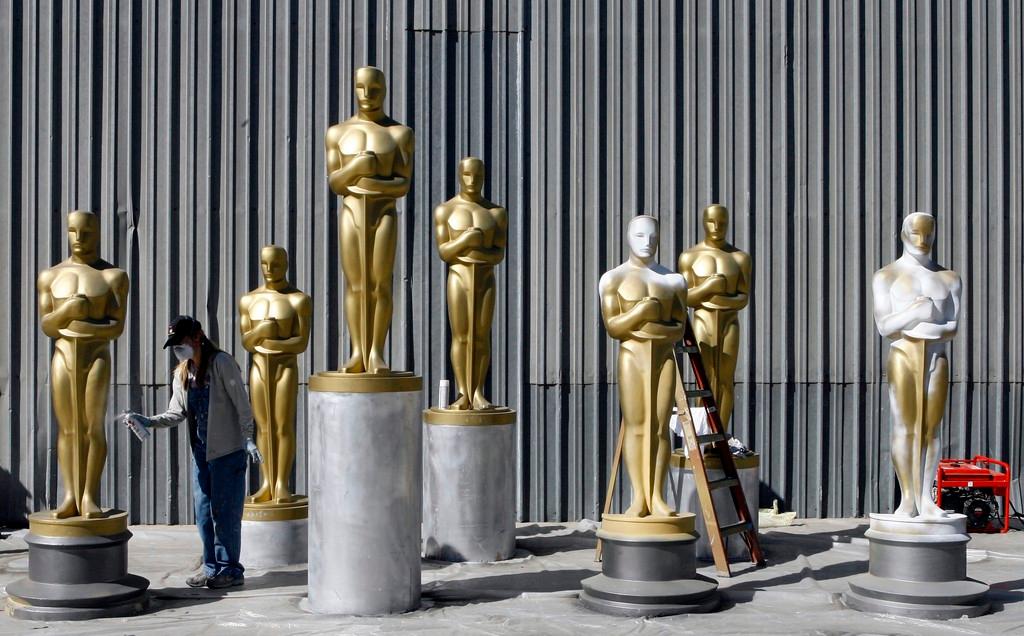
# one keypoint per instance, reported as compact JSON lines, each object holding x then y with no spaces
{"x":917,"y":305}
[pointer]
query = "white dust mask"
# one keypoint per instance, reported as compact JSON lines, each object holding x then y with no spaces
{"x":182,"y":352}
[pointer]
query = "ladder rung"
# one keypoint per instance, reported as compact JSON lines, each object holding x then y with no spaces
{"x":698,"y":393}
{"x":687,"y":349}
{"x":727,"y":482}
{"x":734,"y":528}
{"x":711,"y":409}
{"x":711,"y":437}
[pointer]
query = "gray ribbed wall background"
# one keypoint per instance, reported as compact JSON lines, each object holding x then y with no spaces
{"x":196,"y":130}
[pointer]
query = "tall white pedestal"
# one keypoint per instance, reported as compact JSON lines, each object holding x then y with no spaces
{"x":469,"y":485}
{"x":365,"y":493}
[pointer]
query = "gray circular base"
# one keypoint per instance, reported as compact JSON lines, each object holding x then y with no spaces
{"x":935,"y":601}
{"x":918,"y":568}
{"x":649,"y":576}
{"x":77,"y":578}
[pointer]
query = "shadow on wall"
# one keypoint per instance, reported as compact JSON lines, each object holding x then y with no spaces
{"x":14,"y":510}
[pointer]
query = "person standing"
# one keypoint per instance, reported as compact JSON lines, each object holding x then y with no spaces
{"x":208,"y":392}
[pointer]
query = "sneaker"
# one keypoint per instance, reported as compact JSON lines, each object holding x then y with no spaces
{"x":224,"y":579}
{"x":197,"y":580}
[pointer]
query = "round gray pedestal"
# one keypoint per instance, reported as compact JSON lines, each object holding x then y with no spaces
{"x":77,"y":577}
{"x":269,"y":544}
{"x":365,"y":497}
{"x":649,"y":576}
{"x":469,"y":486}
{"x":918,"y":568}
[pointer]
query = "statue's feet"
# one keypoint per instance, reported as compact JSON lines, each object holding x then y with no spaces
{"x":905,"y":509}
{"x":377,"y":364}
{"x":89,"y":508}
{"x":930,"y":511}
{"x":260,"y":496}
{"x":661,"y":509}
{"x":66,"y":509}
{"x":461,"y":404}
{"x":480,"y":403}
{"x":282,"y":494}
{"x":354,"y":364}
{"x":638,"y":509}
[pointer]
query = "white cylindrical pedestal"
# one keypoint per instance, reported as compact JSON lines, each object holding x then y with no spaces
{"x":271,"y":544}
{"x":365,"y":492}
{"x":687,"y":500}
{"x":469,"y":485}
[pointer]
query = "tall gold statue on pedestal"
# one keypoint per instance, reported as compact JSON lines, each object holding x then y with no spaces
{"x":83,"y":304}
{"x":917,"y":305}
{"x":369,"y":163}
{"x":718,"y":277}
{"x":275,"y":324}
{"x":644,"y":307}
{"x":471,"y":233}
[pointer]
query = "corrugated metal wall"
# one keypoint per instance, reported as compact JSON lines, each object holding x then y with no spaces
{"x":196,"y":130}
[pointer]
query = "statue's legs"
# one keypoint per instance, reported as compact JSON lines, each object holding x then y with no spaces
{"x":458,"y":318}
{"x":285,"y":393}
{"x":97,"y":386}
{"x":62,"y":387}
{"x":634,"y":389}
{"x":904,"y":386}
{"x":259,"y":391}
{"x":385,"y":239}
{"x":935,"y":407}
{"x":353,"y":218}
{"x":484,"y":313}
{"x":663,"y":401}
{"x":728,"y":348}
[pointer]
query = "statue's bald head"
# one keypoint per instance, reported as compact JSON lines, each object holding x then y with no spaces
{"x":371,"y":88}
{"x":918,"y":232}
{"x":273,"y":263}
{"x":83,"y":233}
{"x":471,"y":175}
{"x":716,"y":222}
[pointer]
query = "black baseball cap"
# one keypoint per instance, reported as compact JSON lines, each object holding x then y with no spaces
{"x":180,"y":328}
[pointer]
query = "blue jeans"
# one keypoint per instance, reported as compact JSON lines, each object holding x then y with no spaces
{"x":218,"y":492}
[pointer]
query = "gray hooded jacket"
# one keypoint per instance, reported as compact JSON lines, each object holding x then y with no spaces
{"x":230,"y":419}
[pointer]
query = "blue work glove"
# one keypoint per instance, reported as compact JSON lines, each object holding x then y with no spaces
{"x":254,"y":453}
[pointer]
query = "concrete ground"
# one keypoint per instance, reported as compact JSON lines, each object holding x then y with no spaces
{"x":535,"y":593}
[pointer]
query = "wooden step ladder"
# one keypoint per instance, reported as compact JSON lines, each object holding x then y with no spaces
{"x":719,"y":448}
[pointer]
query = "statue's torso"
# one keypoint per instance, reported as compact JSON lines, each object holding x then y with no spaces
{"x":707,"y":261}
{"x":360,"y":136}
{"x":72,"y":280}
{"x":466,"y":215}
{"x":912,"y":283}
{"x":638,"y":283}
{"x":272,"y":304}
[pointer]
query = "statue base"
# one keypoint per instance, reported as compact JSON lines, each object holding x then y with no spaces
{"x":649,"y":569}
{"x":918,"y":568}
{"x":687,"y":499}
{"x":78,"y":570}
{"x":365,"y":493}
{"x":275,"y":534}
{"x":469,"y":511}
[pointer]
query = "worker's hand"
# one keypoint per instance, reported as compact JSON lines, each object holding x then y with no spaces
{"x":254,"y":452}
{"x":137,"y":423}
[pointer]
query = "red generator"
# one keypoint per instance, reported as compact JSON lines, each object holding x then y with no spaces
{"x":970,"y":487}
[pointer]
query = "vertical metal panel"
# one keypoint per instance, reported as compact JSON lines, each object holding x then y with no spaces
{"x":196,"y":130}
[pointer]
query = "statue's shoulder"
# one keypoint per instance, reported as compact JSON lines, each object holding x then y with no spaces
{"x":610,"y":280}
{"x":47,"y":276}
{"x":886,"y":275}
{"x":300,"y":300}
{"x":443,"y":210}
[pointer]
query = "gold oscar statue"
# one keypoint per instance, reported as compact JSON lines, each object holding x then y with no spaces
{"x":369,"y":164}
{"x":82,"y":302}
{"x":917,"y":306}
{"x":275,"y":325}
{"x":471,"y":234}
{"x":718,"y":279}
{"x":644,"y":307}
